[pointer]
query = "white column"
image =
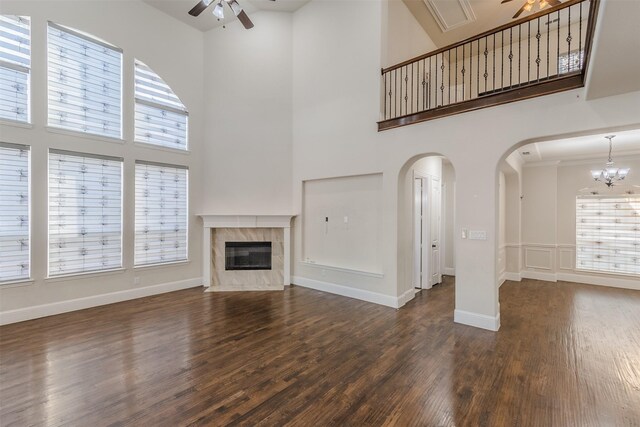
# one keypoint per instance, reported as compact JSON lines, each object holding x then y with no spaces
{"x":206,"y":257}
{"x":287,"y":256}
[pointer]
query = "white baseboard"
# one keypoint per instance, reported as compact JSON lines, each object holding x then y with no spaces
{"x":37,"y":311}
{"x":406,"y":297}
{"x":514,"y":277}
{"x":346,"y":291}
{"x":615,"y":282}
{"x":538,"y":275}
{"x":478,"y":320}
{"x":449,"y":271}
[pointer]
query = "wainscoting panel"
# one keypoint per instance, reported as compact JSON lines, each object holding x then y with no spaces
{"x":566,"y":257}
{"x":539,"y":257}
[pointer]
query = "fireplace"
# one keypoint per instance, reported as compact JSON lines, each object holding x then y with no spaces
{"x":247,"y":256}
{"x":246,"y":252}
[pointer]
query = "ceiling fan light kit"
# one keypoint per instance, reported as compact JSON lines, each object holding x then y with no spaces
{"x":529,"y":5}
{"x":218,"y":10}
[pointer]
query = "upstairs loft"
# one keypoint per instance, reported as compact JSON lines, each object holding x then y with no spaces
{"x":544,"y":53}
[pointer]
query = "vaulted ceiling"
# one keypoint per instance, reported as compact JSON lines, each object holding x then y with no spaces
{"x":450,"y":21}
{"x":206,"y":21}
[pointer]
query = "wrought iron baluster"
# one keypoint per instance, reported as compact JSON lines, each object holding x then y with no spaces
{"x":442,"y":78}
{"x":486,"y":61}
{"x":455,"y":89}
{"x":502,"y":60}
{"x":529,"y":52}
{"x":548,"y":31}
{"x":580,"y":56}
{"x":494,"y":62}
{"x":406,"y":90}
{"x":538,"y":60}
{"x":463,"y":72}
{"x":558,"y":47}
{"x":384,"y":78}
{"x":569,"y":40}
{"x":448,"y":80}
{"x":510,"y":57}
{"x":519,"y":54}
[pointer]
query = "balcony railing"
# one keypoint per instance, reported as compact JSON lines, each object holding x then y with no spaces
{"x":544,"y":53}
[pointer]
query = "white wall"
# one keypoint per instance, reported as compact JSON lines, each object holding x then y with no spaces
{"x":247,"y":139}
{"x":402,"y":36}
{"x":549,"y":220}
{"x":342,"y":221}
{"x":336,"y":105}
{"x":171,"y":49}
{"x":449,"y":216}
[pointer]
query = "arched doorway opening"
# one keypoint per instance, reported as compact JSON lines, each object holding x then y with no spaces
{"x":426,"y":223}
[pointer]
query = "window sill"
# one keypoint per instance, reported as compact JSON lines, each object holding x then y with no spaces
{"x":16,"y":123}
{"x":16,"y":283}
{"x":78,"y":134}
{"x":88,"y":274}
{"x":160,"y":147}
{"x":164,"y":264}
{"x":601,"y":273}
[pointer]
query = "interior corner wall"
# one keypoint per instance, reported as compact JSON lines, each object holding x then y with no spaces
{"x":402,"y":36}
{"x":502,"y":226}
{"x":174,"y":51}
{"x":248,"y":128}
{"x":513,"y":214}
{"x":449,"y":217}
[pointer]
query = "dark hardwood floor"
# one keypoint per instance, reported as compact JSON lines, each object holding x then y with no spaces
{"x":567,"y":355}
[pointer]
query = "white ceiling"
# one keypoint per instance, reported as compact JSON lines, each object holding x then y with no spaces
{"x":485,"y":14}
{"x":179,"y":9}
{"x":625,"y":143}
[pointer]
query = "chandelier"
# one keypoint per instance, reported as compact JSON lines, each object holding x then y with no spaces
{"x":610,"y":174}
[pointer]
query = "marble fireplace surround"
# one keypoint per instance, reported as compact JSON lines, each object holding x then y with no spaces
{"x":238,"y":227}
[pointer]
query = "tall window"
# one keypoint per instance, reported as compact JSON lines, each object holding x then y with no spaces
{"x":14,"y":212}
{"x":85,"y":213}
{"x":85,"y":83}
{"x":161,"y":213}
{"x":608,"y":234}
{"x":161,"y":119}
{"x":15,"y":66}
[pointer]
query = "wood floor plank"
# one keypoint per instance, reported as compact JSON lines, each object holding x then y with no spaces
{"x":566,"y":355}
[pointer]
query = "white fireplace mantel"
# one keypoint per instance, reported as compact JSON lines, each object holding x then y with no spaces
{"x":244,"y":221}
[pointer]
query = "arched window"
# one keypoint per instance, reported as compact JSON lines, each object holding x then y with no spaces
{"x":161,"y":118}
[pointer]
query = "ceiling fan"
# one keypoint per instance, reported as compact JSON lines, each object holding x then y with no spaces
{"x":528,"y":5}
{"x":218,"y":10}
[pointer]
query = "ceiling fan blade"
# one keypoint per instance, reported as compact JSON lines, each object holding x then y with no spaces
{"x":200,"y":7}
{"x":505,"y":1}
{"x":554,"y":2}
{"x":519,"y":12}
{"x":242,"y":17}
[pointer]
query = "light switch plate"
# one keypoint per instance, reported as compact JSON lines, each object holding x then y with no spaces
{"x":477,"y":235}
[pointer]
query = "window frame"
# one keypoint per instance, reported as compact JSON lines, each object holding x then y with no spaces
{"x":187,"y":258}
{"x":91,"y":39}
{"x":634,"y":197}
{"x":137,"y":100}
{"x":121,"y":267}
{"x":22,"y":69}
{"x":29,"y":277}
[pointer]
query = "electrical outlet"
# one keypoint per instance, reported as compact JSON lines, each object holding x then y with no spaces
{"x":136,"y":281}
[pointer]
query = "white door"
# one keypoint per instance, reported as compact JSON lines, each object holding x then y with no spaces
{"x":435,"y":227}
{"x":417,"y":232}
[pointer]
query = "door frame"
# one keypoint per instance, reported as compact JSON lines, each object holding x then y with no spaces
{"x":425,"y":277}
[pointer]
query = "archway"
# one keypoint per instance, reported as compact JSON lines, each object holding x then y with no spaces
{"x":426,"y":223}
